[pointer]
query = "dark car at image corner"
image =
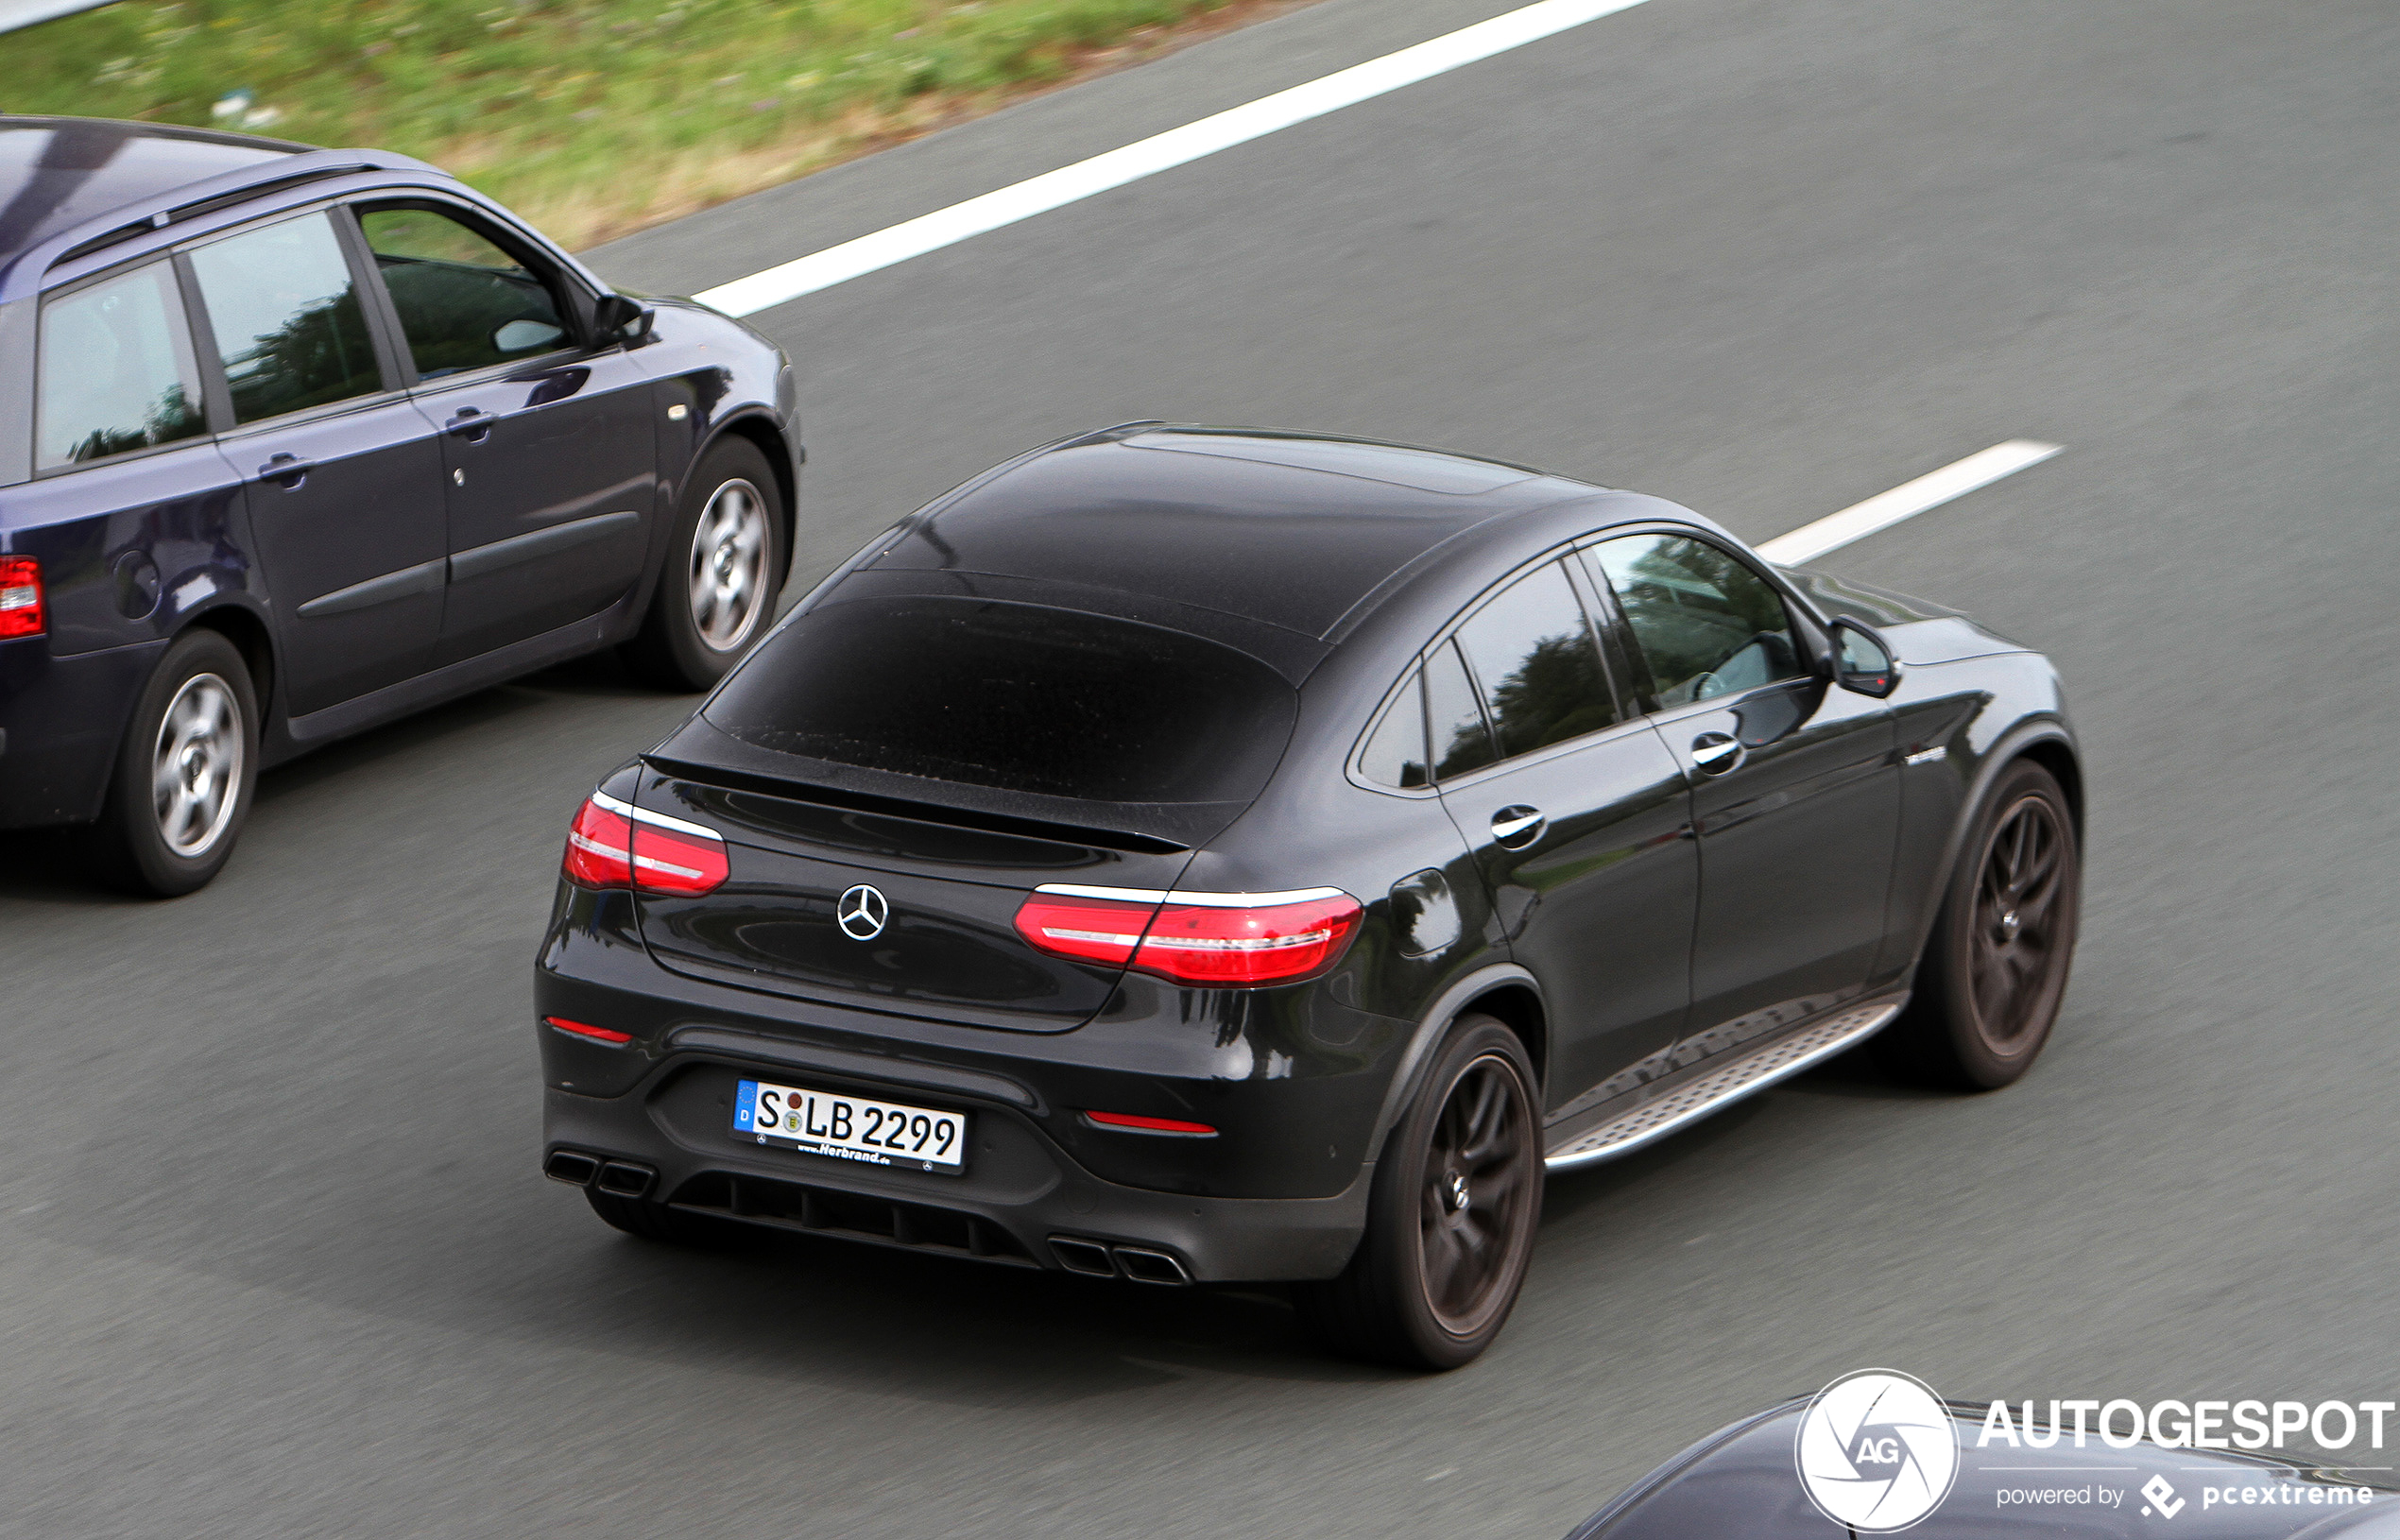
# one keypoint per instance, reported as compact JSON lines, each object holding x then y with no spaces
{"x":1742,"y":1482}
{"x":294,"y":441}
{"x":1195,"y":855}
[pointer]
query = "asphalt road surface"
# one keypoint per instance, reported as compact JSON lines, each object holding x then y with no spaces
{"x":274,"y":1256}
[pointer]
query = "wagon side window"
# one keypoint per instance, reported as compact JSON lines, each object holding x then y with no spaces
{"x":116,"y":370}
{"x":463,"y":303}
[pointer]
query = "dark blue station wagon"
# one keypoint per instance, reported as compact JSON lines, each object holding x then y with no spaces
{"x":294,"y":441}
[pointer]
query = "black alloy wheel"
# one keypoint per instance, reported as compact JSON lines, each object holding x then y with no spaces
{"x":1995,"y":968}
{"x":725,"y":565}
{"x":1451,"y":1218}
{"x":186,"y":771}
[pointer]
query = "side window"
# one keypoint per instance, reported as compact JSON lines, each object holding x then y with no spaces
{"x":1539,"y":665}
{"x":1395,"y":755}
{"x":117,"y":373}
{"x":1460,"y":741}
{"x":463,"y":303}
{"x":1708,"y":624}
{"x":288,"y":323}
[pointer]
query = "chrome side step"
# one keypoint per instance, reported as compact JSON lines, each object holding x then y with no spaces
{"x":1704,"y":1094}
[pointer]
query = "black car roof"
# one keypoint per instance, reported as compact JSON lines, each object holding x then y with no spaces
{"x":1292,"y":530}
{"x":58,"y":173}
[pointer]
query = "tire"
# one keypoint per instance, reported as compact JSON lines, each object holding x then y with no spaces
{"x":1397,"y":1303}
{"x":1994,"y":970}
{"x":724,"y":566}
{"x":181,"y":786}
{"x":656,"y":1222}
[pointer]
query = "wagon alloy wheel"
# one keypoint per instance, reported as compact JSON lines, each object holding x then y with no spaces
{"x":724,"y":565}
{"x":184,"y":771}
{"x":1479,"y":1171}
{"x":2014,"y":934}
{"x":197,"y":765}
{"x":728,"y":565}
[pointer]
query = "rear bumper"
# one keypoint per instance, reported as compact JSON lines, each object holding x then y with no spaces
{"x":61,"y":720}
{"x":1292,"y":1082}
{"x":1020,"y":1202}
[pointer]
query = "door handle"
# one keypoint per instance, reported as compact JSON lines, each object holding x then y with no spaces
{"x":1516,"y":827}
{"x":285,"y":470}
{"x":1716,"y":752}
{"x":473,"y":424}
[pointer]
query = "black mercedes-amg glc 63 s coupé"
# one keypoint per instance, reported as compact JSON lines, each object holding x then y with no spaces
{"x":1192,"y":855}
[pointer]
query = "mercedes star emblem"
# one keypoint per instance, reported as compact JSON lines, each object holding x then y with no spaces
{"x":861,"y":911}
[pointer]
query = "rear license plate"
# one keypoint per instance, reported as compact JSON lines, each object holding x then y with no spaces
{"x":850,"y":1127}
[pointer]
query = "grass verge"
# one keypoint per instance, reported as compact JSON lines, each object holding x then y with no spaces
{"x":592,"y":118}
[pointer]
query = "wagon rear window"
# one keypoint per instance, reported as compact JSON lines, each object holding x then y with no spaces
{"x":1015,"y":699}
{"x":117,"y":371}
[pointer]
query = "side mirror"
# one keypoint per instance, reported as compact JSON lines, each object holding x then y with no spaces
{"x":525,"y":336}
{"x":1862,"y":660}
{"x":620,"y":320}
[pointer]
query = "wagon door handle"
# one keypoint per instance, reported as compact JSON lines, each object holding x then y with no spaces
{"x":285,"y":470}
{"x":473,"y":424}
{"x":1515,"y":828}
{"x":1716,"y":752}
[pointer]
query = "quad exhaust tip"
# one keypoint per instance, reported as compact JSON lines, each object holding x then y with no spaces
{"x":572,"y":1167}
{"x":624,"y":1178}
{"x":1098,"y":1259}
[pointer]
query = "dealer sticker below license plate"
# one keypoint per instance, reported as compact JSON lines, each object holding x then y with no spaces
{"x":850,"y":1127}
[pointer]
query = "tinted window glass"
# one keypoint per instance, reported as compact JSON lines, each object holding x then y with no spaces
{"x":1014,"y":697}
{"x":1533,"y":652}
{"x":288,"y":319}
{"x":1454,"y":717}
{"x":1708,"y":624}
{"x":463,"y":303}
{"x":116,"y":370}
{"x":1395,"y":755}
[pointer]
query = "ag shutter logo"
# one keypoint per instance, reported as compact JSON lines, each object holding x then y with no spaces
{"x":1876,"y":1450}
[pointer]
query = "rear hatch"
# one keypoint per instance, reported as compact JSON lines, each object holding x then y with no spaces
{"x":951,"y":754}
{"x":946,"y":896}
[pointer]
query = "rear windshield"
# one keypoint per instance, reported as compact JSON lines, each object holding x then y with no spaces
{"x":1015,"y":698}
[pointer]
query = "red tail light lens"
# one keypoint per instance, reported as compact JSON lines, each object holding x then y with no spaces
{"x":22,"y":612}
{"x":1229,"y":940}
{"x":615,"y":845}
{"x":1089,"y":930}
{"x":1270,"y":944}
{"x":599,"y":847}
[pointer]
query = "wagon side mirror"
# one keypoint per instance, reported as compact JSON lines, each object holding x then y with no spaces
{"x":620,"y":320}
{"x":1862,"y":660}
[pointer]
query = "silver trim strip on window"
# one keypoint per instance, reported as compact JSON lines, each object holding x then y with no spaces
{"x":1203,"y":901}
{"x":657,"y":820}
{"x":480,"y":559}
{"x":425,"y":577}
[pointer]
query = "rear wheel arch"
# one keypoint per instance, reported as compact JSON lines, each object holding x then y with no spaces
{"x":1506,"y":991}
{"x":1518,"y":1007}
{"x":250,"y":637}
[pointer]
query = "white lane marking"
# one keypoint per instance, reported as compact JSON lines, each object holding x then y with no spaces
{"x":1160,"y":152}
{"x":1906,"y":501}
